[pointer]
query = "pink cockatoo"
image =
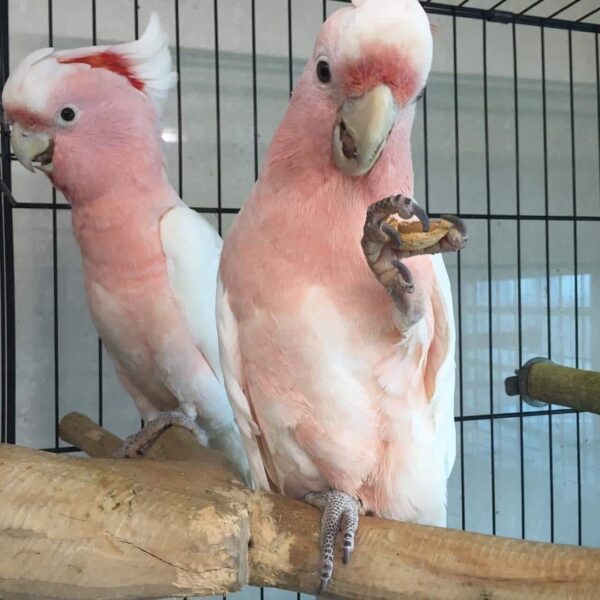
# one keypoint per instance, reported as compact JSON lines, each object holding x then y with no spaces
{"x":89,"y":119}
{"x":343,"y":382}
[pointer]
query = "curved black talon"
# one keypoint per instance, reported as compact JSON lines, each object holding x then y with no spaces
{"x":457,"y":222}
{"x":420,"y":213}
{"x":347,"y":551}
{"x":322,"y":586}
{"x":406,"y":275}
{"x":392,"y":233}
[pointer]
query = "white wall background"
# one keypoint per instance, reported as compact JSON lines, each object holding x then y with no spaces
{"x":482,"y":289}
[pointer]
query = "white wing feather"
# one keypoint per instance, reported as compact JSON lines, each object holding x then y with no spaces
{"x":442,"y":402}
{"x":193,"y":249}
{"x":233,"y":372}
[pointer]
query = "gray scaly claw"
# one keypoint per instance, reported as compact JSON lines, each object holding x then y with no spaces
{"x":138,"y":443}
{"x":383,"y":249}
{"x":458,"y":223}
{"x":392,"y":233}
{"x":340,"y":513}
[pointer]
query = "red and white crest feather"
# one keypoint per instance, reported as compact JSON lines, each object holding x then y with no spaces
{"x":146,"y":63}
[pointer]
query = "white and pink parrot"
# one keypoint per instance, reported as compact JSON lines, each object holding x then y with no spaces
{"x":337,"y":344}
{"x":89,"y":119}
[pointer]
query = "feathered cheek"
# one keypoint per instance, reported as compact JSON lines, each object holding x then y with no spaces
{"x":62,"y":169}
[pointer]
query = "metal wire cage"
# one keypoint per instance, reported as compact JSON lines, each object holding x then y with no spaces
{"x":507,"y":136}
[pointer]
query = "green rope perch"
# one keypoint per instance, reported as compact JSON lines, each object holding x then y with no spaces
{"x":540,"y":382}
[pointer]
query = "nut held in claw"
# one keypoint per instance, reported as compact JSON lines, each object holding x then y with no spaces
{"x":414,"y":239}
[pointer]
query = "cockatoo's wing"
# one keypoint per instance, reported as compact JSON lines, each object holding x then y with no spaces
{"x":439,"y":372}
{"x":192,"y":248}
{"x":233,"y":372}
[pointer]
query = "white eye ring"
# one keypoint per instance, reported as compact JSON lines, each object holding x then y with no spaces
{"x":68,"y":115}
{"x":322,"y":62}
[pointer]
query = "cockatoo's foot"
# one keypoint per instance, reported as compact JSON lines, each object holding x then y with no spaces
{"x":384,"y":246}
{"x":340,"y":513}
{"x":136,"y":444}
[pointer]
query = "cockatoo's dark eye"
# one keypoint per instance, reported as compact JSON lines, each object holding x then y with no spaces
{"x":67,"y":115}
{"x":323,"y":71}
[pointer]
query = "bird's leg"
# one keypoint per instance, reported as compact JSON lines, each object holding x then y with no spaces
{"x":340,"y":513}
{"x":382,"y":246}
{"x":138,"y":443}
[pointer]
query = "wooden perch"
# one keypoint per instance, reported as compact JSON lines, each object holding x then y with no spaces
{"x":78,"y":529}
{"x":541,"y":382}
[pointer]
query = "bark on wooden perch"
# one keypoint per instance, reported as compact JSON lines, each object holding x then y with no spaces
{"x":81,"y":529}
{"x":541,"y":382}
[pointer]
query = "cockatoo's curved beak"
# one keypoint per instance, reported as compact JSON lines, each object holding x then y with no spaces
{"x":32,"y":147}
{"x":362,"y":129}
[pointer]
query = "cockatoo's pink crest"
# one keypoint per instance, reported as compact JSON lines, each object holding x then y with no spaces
{"x":112,"y":96}
{"x":145,"y":63}
{"x":380,"y":41}
{"x":109,"y":60}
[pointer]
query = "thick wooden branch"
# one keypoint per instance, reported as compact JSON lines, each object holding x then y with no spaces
{"x":77,"y":529}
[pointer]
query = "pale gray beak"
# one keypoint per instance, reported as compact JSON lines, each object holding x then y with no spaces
{"x":32,"y":147}
{"x":362,"y":130}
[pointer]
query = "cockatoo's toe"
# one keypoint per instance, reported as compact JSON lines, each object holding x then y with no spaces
{"x":340,"y":514}
{"x":393,"y":234}
{"x":405,"y":276}
{"x":458,"y":223}
{"x":138,"y":443}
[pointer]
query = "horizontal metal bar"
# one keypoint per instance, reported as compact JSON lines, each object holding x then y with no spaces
{"x":467,"y":216}
{"x":199,"y":209}
{"x":515,"y":415}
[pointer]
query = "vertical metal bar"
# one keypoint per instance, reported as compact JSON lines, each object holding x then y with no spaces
{"x":548,"y":298}
{"x":324,"y":10}
{"x":179,"y":114}
{"x":7,"y":281}
{"x":459,"y":278}
{"x":426,"y":151}
{"x":255,"y":123}
{"x":94,"y":30}
{"x":136,"y":33}
{"x":254,"y":89}
{"x":519,"y":289}
{"x":54,"y":274}
{"x":218,"y":115}
{"x":489,"y":269}
{"x":290,"y":47}
{"x":575,"y":275}
{"x":100,"y":358}
{"x":136,"y":19}
{"x":598,"y":103}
